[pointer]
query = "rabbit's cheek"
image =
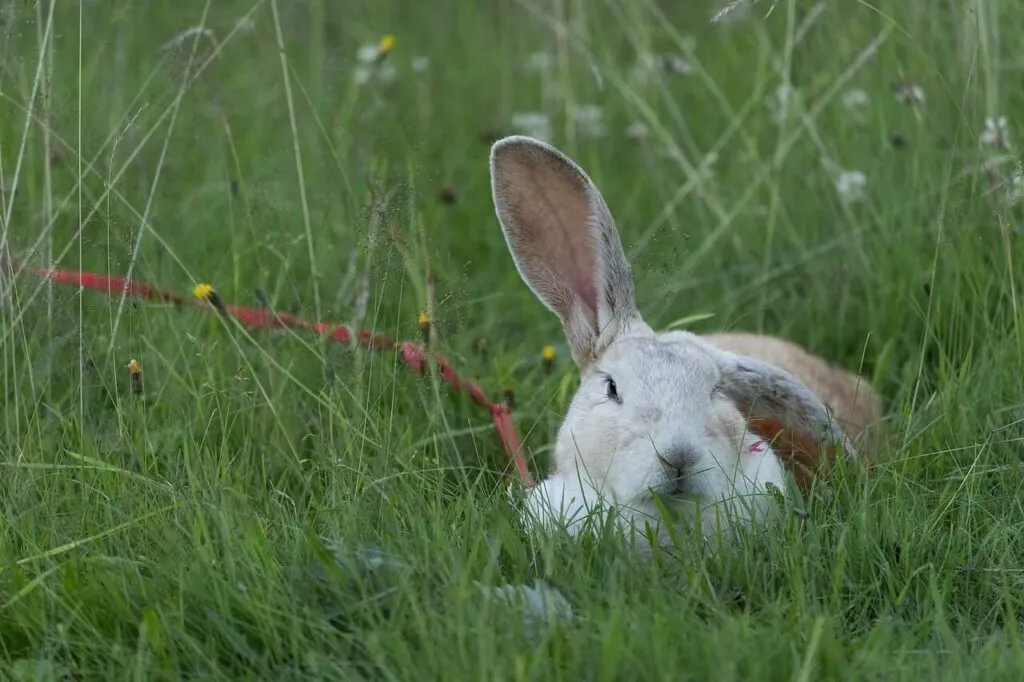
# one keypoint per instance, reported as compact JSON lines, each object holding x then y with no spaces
{"x":558,"y":500}
{"x":634,"y":477}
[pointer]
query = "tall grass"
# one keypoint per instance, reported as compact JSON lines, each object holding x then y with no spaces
{"x":278,"y":506}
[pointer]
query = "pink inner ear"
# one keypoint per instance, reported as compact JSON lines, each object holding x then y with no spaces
{"x":546,"y":210}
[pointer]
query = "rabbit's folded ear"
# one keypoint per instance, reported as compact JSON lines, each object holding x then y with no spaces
{"x":781,"y":407}
{"x":564,"y":242}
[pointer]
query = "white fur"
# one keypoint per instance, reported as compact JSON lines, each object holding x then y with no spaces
{"x":566,"y":500}
{"x":606,"y":453}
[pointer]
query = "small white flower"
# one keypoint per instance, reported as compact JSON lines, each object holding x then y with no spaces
{"x":420,"y":64}
{"x":385,"y":73}
{"x":644,"y":69}
{"x":855,"y":100}
{"x":909,"y":93}
{"x":996,"y":133}
{"x":637,"y":130}
{"x":850,"y":185}
{"x":371,"y":66}
{"x":589,"y":120}
{"x":779,"y":101}
{"x":533,"y":124}
{"x":538,"y":62}
{"x":367,"y":54}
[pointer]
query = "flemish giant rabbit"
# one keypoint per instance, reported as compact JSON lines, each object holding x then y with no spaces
{"x":703,"y":423}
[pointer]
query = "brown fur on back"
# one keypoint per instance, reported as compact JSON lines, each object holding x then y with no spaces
{"x":857,"y":406}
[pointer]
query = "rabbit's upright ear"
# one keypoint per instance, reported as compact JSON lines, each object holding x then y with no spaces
{"x":564,"y":242}
{"x":783,"y":409}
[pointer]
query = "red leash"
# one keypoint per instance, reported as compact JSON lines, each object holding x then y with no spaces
{"x":256,"y":318}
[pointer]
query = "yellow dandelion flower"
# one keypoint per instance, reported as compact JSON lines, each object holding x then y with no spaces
{"x":134,"y":367}
{"x":203,"y":291}
{"x":387,"y":43}
{"x":548,"y":353}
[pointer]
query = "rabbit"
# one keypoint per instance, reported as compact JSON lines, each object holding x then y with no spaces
{"x":701,"y":426}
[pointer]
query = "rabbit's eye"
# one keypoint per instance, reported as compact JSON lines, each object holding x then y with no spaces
{"x":613,"y":391}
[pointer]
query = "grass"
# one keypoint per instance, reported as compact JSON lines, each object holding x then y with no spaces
{"x":207,"y":528}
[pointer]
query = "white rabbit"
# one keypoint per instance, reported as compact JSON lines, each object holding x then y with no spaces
{"x":702,"y":423}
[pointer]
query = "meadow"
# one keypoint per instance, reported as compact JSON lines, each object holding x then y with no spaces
{"x":276,"y":505}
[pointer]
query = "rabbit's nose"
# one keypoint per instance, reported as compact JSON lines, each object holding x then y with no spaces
{"x":679,"y":456}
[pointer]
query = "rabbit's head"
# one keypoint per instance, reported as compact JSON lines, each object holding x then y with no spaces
{"x":655,"y":415}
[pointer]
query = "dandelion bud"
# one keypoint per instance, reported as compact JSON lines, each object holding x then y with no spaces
{"x":387,"y":43}
{"x":135,"y":372}
{"x":424,"y":323}
{"x":547,"y":358}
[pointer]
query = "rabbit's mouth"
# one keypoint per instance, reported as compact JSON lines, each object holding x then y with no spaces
{"x":679,"y":483}
{"x":679,"y":473}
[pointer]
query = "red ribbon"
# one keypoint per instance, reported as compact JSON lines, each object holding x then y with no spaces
{"x":411,"y":354}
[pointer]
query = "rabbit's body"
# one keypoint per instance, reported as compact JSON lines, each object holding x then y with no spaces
{"x":699,"y":423}
{"x":854,"y":402}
